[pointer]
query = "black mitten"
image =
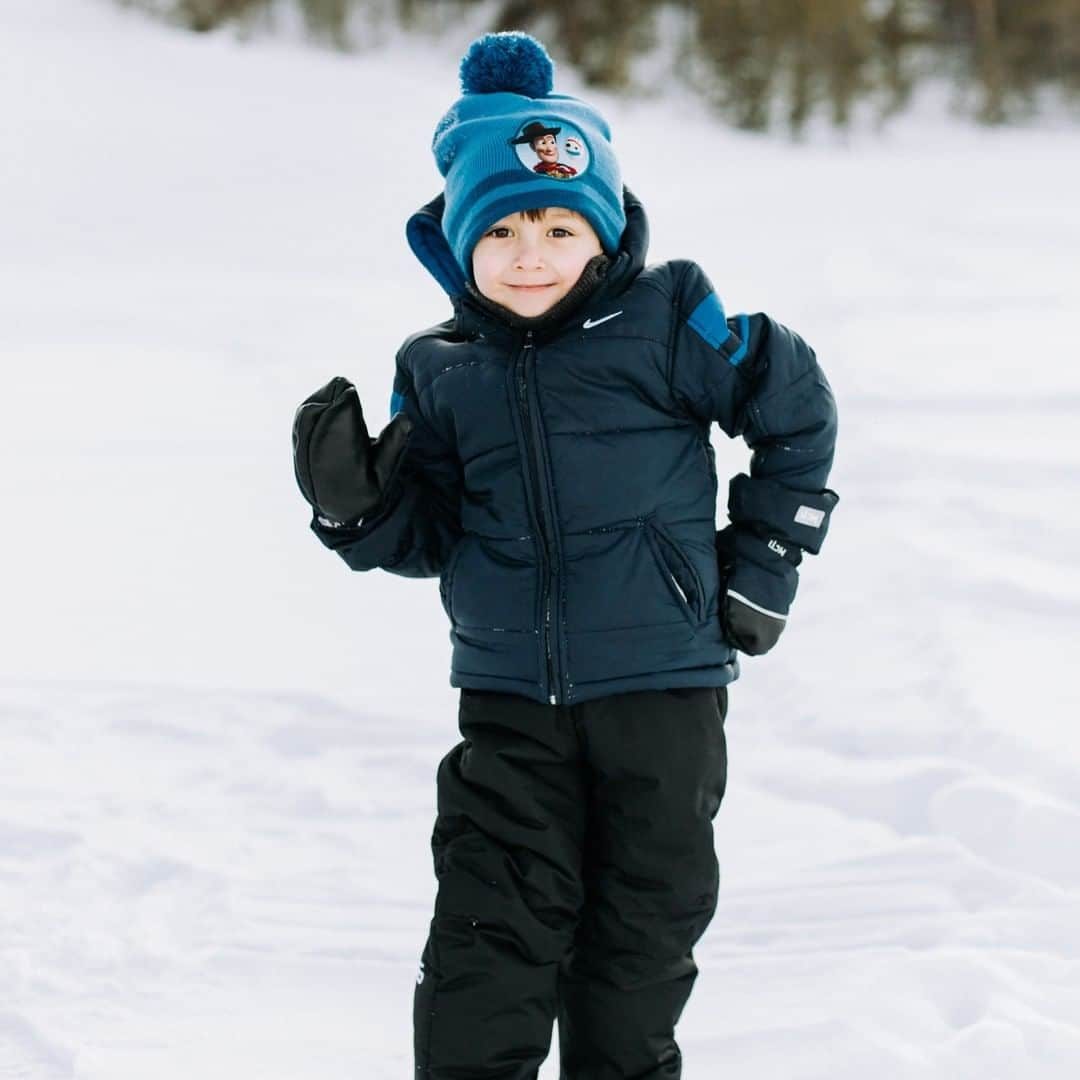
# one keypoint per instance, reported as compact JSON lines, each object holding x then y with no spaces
{"x":759,"y":555}
{"x":341,"y":472}
{"x":759,"y":579}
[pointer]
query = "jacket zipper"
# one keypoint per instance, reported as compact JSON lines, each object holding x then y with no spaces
{"x":535,"y":467}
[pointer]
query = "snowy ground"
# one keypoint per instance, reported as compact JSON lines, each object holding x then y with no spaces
{"x":218,"y":746}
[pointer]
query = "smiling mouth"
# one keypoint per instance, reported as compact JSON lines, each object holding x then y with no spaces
{"x":527,"y":288}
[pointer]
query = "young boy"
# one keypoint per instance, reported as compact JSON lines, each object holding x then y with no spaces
{"x":548,"y":458}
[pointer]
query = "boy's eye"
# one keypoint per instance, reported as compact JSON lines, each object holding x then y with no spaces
{"x":501,"y":232}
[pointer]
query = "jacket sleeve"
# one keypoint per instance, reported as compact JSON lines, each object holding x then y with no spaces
{"x":419,"y":521}
{"x":758,"y":379}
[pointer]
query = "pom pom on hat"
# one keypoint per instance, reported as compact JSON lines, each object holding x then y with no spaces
{"x":510,"y":62}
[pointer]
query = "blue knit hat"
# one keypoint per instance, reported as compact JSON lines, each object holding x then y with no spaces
{"x":510,"y":144}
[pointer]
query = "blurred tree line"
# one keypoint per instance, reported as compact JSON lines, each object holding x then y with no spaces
{"x":759,"y":63}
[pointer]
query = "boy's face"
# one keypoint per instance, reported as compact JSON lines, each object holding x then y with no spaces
{"x":529,"y":266}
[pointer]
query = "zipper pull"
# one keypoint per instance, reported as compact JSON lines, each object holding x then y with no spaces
{"x":528,"y":339}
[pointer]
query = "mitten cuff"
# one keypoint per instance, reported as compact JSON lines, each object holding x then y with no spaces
{"x":798,"y":517}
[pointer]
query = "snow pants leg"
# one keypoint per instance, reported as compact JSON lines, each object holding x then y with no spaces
{"x":574,"y":855}
{"x":657,"y":775}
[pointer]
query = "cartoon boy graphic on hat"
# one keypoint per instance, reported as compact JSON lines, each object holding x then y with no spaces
{"x":542,"y":140}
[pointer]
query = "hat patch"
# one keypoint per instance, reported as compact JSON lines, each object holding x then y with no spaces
{"x":551,"y":148}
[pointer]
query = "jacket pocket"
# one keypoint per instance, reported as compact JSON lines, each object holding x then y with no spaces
{"x":446,"y":579}
{"x":682,"y":578}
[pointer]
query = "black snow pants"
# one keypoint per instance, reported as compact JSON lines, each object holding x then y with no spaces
{"x":575,"y":863}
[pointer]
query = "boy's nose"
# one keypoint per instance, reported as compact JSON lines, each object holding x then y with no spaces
{"x":528,"y":257}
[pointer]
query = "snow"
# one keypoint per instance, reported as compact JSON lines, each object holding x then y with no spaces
{"x":219,"y":746}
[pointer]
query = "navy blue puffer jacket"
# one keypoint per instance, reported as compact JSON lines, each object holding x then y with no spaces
{"x":562,"y":484}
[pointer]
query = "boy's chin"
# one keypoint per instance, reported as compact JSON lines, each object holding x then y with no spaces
{"x":531,"y":312}
{"x":530,"y":306}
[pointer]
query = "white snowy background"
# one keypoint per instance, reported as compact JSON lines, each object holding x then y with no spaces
{"x":218,"y":746}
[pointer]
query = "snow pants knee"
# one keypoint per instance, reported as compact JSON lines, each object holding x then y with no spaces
{"x":574,"y":856}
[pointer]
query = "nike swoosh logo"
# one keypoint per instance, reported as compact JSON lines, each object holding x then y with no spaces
{"x":588,"y":324}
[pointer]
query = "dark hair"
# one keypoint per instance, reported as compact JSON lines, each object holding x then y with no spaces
{"x":538,"y":214}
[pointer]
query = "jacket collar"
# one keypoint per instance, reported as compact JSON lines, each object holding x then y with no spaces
{"x":429,"y":245}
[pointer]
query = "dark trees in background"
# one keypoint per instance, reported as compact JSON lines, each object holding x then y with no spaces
{"x":760,"y":63}
{"x":1010,"y":49}
{"x":327,"y":19}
